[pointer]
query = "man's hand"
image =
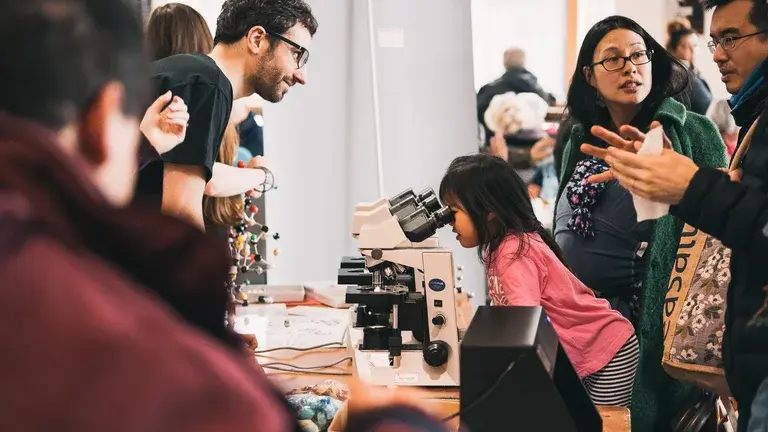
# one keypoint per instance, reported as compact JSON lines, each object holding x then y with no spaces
{"x":165,"y":128}
{"x":631,"y":142}
{"x":662,"y":178}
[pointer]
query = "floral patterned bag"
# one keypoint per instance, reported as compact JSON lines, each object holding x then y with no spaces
{"x":694,"y":312}
{"x":694,"y":309}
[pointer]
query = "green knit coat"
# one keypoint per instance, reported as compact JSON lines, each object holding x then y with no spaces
{"x":657,"y":397}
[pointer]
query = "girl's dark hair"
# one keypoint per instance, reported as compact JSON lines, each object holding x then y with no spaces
{"x":677,"y":29}
{"x":481,"y":185}
{"x":670,"y":78}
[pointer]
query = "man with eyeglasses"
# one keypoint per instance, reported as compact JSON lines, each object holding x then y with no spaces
{"x":731,"y":207}
{"x":261,"y":47}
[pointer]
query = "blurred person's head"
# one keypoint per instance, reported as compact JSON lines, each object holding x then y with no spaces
{"x":622,"y":75}
{"x":682,"y":40}
{"x":79,"y":70}
{"x":275,"y":36}
{"x":739,"y":32}
{"x":176,"y":28}
{"x":514,"y":58}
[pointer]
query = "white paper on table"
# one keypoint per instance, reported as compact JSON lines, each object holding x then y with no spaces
{"x":299,"y":327}
{"x":647,"y":209}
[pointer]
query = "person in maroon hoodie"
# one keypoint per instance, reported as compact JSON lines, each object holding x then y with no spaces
{"x":111,"y":316}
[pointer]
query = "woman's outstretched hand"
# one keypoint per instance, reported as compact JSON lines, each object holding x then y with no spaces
{"x":663,"y":178}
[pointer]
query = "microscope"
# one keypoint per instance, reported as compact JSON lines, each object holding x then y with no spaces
{"x":403,"y":328}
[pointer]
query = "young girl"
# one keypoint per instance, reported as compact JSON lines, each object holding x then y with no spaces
{"x":525,"y":268}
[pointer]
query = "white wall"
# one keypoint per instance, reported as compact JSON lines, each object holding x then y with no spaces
{"x":589,"y":13}
{"x":538,"y":27}
{"x":320,"y":140}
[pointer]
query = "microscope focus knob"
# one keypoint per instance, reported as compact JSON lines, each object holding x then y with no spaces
{"x":436,"y":353}
{"x":438,"y":320}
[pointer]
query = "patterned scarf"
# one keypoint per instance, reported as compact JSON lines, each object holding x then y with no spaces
{"x":582,"y":195}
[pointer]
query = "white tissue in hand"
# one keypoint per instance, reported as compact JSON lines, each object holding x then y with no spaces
{"x":646,"y":209}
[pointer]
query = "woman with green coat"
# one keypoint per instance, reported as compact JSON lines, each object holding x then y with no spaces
{"x":624,"y":77}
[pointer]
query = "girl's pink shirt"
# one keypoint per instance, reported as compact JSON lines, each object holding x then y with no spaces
{"x":589,"y":330}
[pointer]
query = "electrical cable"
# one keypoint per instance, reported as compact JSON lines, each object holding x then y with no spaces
{"x":303,"y":368}
{"x":312,"y":370}
{"x":329,"y":344}
{"x":484,"y":395}
{"x":309,"y":372}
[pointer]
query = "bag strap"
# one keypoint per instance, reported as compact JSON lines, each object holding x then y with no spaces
{"x":744,"y":146}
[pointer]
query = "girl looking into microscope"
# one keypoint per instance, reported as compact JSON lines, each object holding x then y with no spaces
{"x":525,"y":267}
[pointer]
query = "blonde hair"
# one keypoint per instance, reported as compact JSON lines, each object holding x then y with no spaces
{"x":225,"y":211}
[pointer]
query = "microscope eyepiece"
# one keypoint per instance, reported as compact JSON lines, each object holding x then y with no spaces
{"x":432,"y":204}
{"x":420,"y":216}
{"x":444,"y":216}
{"x":421,"y":224}
{"x":402,"y":196}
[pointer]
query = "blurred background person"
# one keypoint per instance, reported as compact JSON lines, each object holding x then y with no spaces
{"x":682,"y":43}
{"x":516,"y":79}
{"x":720,"y":113}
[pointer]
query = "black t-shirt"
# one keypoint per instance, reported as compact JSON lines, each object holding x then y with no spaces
{"x":208,"y":94}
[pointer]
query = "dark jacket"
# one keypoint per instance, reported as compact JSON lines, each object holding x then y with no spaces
{"x":251,"y":135}
{"x":114,"y":319}
{"x":657,"y":397}
{"x":737,"y":214}
{"x":699,"y":94}
{"x":518,"y":80}
{"x":759,"y":420}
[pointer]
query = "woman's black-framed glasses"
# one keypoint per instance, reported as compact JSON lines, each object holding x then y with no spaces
{"x":616,"y":63}
{"x":729,"y":42}
{"x":302,"y":55}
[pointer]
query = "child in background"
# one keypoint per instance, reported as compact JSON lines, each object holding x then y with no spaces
{"x":525,"y":267}
{"x":720,"y":113}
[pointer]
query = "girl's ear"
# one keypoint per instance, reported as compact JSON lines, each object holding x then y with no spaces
{"x":490,"y":217}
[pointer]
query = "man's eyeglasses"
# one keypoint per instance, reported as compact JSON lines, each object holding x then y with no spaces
{"x":616,"y":63}
{"x":301,"y":56}
{"x":729,"y":42}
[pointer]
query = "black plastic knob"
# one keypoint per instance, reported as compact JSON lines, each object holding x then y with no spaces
{"x":438,"y":320}
{"x":436,"y":353}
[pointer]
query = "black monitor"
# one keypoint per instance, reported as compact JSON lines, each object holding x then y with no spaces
{"x":515,"y":376}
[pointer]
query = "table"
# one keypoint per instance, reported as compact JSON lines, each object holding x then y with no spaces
{"x":440,"y":401}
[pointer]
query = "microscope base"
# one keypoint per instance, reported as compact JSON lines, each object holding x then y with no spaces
{"x":373,"y":367}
